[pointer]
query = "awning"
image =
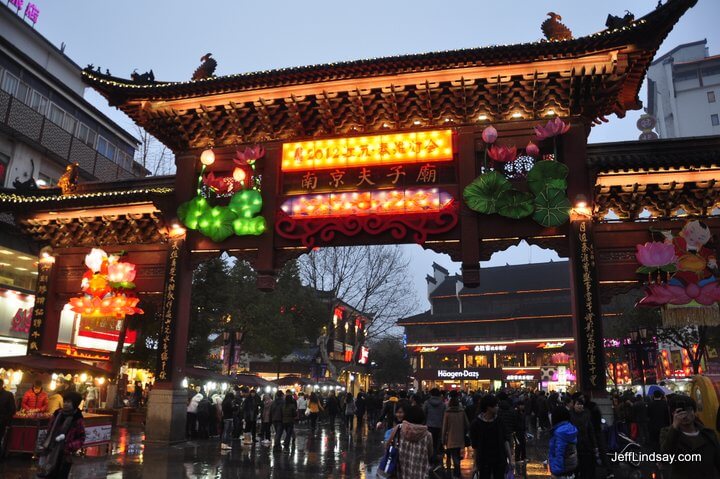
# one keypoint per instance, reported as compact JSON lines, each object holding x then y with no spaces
{"x":51,"y":364}
{"x":250,"y":380}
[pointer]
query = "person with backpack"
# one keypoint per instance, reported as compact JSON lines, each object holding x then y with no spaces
{"x":455,"y":427}
{"x":227,"y":424}
{"x":489,"y":441}
{"x":276,"y":417}
{"x":388,"y":412}
{"x":204,"y":409}
{"x":289,"y":414}
{"x":414,"y":443}
{"x":562,"y":452}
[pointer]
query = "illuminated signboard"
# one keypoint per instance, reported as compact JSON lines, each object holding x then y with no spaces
{"x":400,"y":148}
{"x":426,"y":349}
{"x":407,"y":180}
{"x":555,"y":345}
{"x":520,"y":377}
{"x":458,"y":374}
{"x":490,"y":347}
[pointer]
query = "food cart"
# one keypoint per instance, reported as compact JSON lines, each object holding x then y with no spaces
{"x":28,"y":428}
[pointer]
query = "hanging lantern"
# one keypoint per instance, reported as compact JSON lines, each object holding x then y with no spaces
{"x":207,"y":157}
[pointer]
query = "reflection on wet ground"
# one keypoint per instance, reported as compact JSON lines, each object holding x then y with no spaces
{"x":327,"y":453}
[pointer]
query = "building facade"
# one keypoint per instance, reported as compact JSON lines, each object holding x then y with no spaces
{"x":684,"y":91}
{"x":514,"y":330}
{"x":45,"y":125}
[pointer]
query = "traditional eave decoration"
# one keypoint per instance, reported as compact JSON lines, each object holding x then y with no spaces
{"x":500,"y":83}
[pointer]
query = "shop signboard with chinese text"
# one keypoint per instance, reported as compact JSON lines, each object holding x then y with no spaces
{"x":399,"y":183}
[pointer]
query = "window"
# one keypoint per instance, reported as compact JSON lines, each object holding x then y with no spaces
{"x":714,"y":119}
{"x":69,"y":124}
{"x":38,"y":102}
{"x":711,"y":96}
{"x":23,"y":92}
{"x":46,"y":180}
{"x":686,"y":75}
{"x":10,"y":83}
{"x":106,"y":148}
{"x":85,"y":134}
{"x":4,"y":161}
{"x":56,"y":114}
{"x":124,"y":160}
{"x":711,"y":71}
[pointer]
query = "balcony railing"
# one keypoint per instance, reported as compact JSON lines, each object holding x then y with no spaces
{"x":22,"y":121}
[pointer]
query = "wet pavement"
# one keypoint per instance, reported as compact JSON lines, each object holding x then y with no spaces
{"x":325,"y":454}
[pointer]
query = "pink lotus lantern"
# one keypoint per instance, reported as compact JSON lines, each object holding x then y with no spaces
{"x":532,"y":150}
{"x":489,"y":135}
{"x":551,"y":129}
{"x":655,"y":254}
{"x":121,"y":272}
{"x":502,"y":154}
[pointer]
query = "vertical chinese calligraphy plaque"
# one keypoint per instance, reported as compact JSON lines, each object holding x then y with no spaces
{"x":37,"y":324}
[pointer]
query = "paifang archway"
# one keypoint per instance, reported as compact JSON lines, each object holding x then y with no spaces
{"x":424,"y":113}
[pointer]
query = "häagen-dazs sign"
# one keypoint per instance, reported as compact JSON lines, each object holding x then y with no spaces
{"x":457,"y":374}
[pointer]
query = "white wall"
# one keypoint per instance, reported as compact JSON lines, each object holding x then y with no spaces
{"x":694,"y":112}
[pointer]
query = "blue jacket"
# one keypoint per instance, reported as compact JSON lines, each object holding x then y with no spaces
{"x":562,"y":435}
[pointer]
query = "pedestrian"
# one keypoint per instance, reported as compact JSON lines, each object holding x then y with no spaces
{"x":658,"y":418}
{"x":204,"y":409}
{"x":414,"y":444}
{"x":227,"y":424}
{"x":489,"y":441}
{"x":91,"y":397}
{"x":251,"y":404}
{"x":137,"y":397}
{"x":315,"y":407}
{"x":266,"y":421}
{"x":543,"y":411}
{"x":65,"y":436}
{"x":587,"y":448}
{"x":360,"y":406}
{"x":350,"y":410}
{"x":302,"y":406}
{"x":455,"y":428}
{"x":387,"y":416}
{"x":7,"y":409}
{"x":686,"y":435}
{"x":192,"y":414}
{"x":55,"y":400}
{"x":562,"y":452}
{"x":434,"y":410}
{"x":509,"y":418}
{"x":276,"y":417}
{"x":35,"y":399}
{"x":289,"y":414}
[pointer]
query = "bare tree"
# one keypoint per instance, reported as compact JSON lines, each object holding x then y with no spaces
{"x":153,"y":155}
{"x":373,"y":280}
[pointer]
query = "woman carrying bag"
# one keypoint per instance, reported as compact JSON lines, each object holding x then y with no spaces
{"x":64,"y":438}
{"x":413,"y":446}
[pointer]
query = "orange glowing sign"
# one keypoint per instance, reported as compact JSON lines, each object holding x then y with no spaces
{"x":420,"y":200}
{"x":421,"y":146}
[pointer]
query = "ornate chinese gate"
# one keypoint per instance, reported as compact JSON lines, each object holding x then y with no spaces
{"x":368,"y":152}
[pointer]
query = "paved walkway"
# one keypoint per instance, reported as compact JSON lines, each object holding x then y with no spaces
{"x":326,"y":454}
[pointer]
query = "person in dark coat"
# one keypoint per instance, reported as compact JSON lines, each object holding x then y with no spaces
{"x":489,"y":441}
{"x":360,"y":407}
{"x":586,"y":439}
{"x":276,"y":417}
{"x":251,"y":406}
{"x":687,"y":435}
{"x":543,"y":411}
{"x":289,"y":415}
{"x":7,"y":409}
{"x":228,"y":411}
{"x":658,"y":418}
{"x":66,"y":431}
{"x":639,"y":415}
{"x":332,"y":406}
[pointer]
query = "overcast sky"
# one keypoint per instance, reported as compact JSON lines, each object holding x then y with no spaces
{"x":171,"y":36}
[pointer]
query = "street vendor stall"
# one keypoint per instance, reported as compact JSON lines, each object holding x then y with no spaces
{"x":28,"y":427}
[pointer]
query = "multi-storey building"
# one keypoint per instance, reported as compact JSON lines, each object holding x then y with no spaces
{"x":684,"y":91}
{"x":45,"y":125}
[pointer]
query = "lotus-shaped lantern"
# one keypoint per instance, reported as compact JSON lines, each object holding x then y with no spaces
{"x":656,"y":255}
{"x":121,"y":272}
{"x":502,"y":154}
{"x":248,"y":155}
{"x":95,"y":259}
{"x":532,"y":150}
{"x":552,"y":128}
{"x":489,"y":135}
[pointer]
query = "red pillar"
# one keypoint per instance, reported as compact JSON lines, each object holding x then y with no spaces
{"x":469,"y":240}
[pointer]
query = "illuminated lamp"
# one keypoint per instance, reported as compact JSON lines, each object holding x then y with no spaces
{"x":482,"y":117}
{"x":207,"y":157}
{"x":550,"y":113}
{"x":46,"y":256}
{"x":581,"y":201}
{"x":517,"y":114}
{"x":239,"y":175}
{"x":176,"y":230}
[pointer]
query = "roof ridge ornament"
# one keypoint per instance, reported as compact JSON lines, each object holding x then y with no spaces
{"x":206,"y":68}
{"x":554,"y":30}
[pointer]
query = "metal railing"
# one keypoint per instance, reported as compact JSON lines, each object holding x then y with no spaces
{"x":21,"y":121}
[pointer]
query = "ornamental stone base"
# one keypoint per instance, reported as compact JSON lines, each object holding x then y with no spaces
{"x":166,"y":416}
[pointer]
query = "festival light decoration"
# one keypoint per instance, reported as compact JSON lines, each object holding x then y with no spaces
{"x":400,"y":148}
{"x":239,"y":217}
{"x":107,"y":287}
{"x":420,"y":200}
